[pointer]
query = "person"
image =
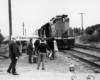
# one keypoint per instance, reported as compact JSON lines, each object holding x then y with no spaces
{"x":36,"y":43}
{"x":51,"y":45}
{"x":41,"y":49}
{"x":19,"y":46}
{"x":14,"y":55}
{"x":26,"y":47}
{"x":30,"y":51}
{"x":55,"y":48}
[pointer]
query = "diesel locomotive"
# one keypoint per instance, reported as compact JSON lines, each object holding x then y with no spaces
{"x":58,"y":28}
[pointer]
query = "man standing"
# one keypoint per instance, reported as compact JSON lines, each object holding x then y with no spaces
{"x":36,"y":43}
{"x":14,"y":55}
{"x":51,"y":45}
{"x":42,"y":53}
{"x":30,"y":51}
{"x":55,"y":48}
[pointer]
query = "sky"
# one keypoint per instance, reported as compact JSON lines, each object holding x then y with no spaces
{"x":35,"y":13}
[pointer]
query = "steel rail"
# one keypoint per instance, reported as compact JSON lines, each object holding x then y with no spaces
{"x":84,"y":53}
{"x":90,"y":61}
{"x":86,"y":47}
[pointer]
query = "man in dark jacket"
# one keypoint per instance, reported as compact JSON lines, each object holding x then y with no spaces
{"x":42,"y":53}
{"x":14,"y":55}
{"x":36,"y":43}
{"x":30,"y":51}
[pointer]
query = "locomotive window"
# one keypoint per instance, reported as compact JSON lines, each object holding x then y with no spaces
{"x":59,"y":20}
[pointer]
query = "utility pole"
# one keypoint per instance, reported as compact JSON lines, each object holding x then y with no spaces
{"x":23,"y":28}
{"x":25,"y":31}
{"x":82,"y":21}
{"x":10,"y":19}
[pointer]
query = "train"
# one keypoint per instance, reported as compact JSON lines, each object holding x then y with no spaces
{"x":58,"y":28}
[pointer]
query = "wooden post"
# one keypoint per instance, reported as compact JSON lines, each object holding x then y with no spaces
{"x":10,"y":19}
{"x":23,"y":28}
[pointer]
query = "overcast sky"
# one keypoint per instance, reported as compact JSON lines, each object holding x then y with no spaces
{"x":35,"y":13}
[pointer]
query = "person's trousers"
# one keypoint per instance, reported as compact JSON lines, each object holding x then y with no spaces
{"x":53,"y":55}
{"x":30,"y":56}
{"x":13,"y":65}
{"x":41,"y":58}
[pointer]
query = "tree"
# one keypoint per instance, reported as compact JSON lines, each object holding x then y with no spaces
{"x":89,"y":30}
{"x":98,"y":29}
{"x":71,"y":32}
{"x":1,"y":38}
{"x":77,"y":31}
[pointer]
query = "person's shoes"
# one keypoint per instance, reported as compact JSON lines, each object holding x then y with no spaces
{"x":37,"y":68}
{"x":15,"y":74}
{"x":43,"y":68}
{"x":8,"y":71}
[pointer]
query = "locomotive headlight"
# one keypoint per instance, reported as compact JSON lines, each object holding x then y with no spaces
{"x":66,"y":19}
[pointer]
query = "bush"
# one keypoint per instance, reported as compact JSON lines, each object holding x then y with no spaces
{"x":95,"y":37}
{"x":93,"y":34}
{"x":85,"y":38}
{"x":1,"y":38}
{"x":98,"y":35}
{"x":89,"y":31}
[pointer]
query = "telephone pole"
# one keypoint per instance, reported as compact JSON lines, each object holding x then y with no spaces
{"x":25,"y":31}
{"x":23,"y":28}
{"x":10,"y":19}
{"x":82,"y":21}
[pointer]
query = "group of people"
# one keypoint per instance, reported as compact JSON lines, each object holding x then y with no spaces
{"x":40,"y":49}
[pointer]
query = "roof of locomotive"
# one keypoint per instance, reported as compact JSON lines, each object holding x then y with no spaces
{"x":46,"y":25}
{"x":54,"y":20}
{"x":63,"y":16}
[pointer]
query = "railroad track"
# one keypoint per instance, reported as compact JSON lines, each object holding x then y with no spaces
{"x":87,"y":47}
{"x":88,"y":58}
{"x":89,"y":53}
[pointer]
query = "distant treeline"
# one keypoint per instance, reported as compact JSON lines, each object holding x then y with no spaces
{"x":90,"y":34}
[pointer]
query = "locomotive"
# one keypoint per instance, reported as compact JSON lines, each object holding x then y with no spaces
{"x":58,"y":28}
